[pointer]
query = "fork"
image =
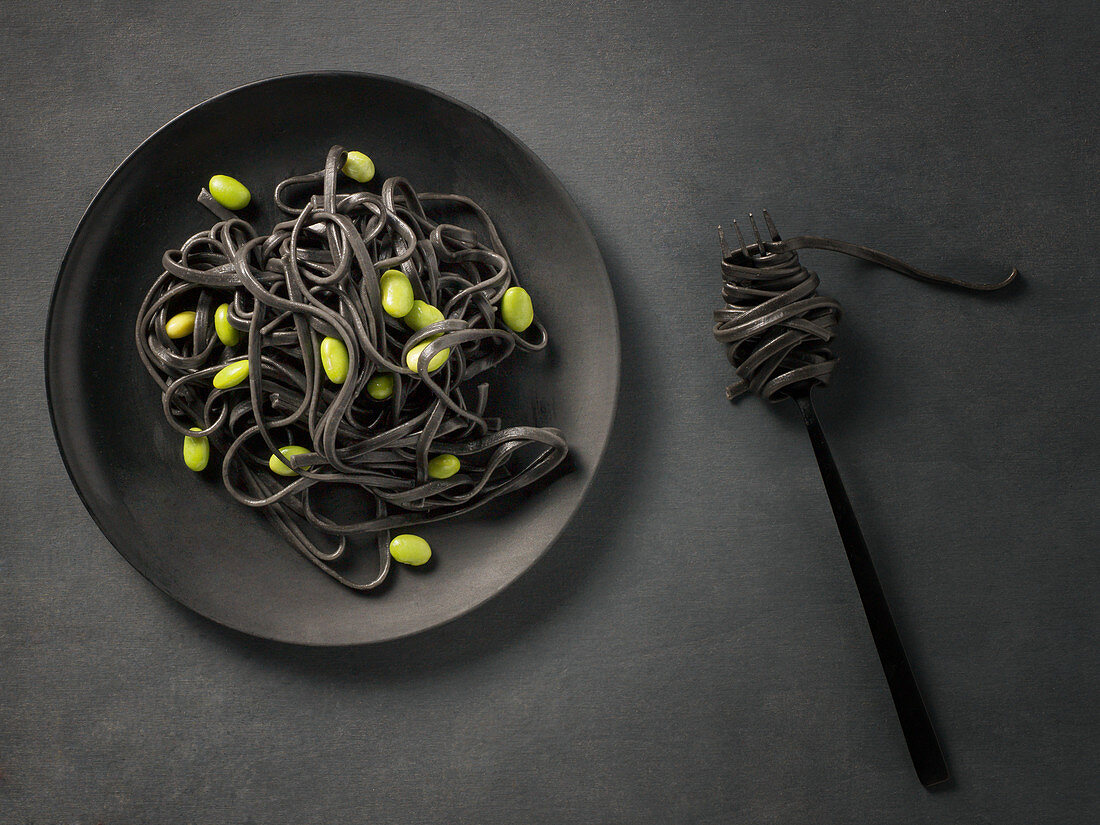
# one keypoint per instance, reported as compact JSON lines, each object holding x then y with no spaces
{"x":779,"y":255}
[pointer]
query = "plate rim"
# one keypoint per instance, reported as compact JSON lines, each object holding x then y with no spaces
{"x":555,"y":183}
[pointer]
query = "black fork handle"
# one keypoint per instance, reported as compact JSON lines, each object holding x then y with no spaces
{"x":920,"y":736}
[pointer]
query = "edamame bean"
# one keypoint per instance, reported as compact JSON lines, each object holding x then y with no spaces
{"x":380,"y":387}
{"x":437,"y":360}
{"x":231,"y":375}
{"x":180,"y":325}
{"x":276,"y":464}
{"x":334,"y":358}
{"x":397,"y":293}
{"x":229,"y":192}
{"x":358,"y":167}
{"x":444,"y":466}
{"x":422,"y":314}
{"x":410,"y":549}
{"x":516,"y":309}
{"x":227,"y":334}
{"x":196,"y":451}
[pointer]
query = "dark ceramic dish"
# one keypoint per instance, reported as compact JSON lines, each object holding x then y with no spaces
{"x":181,"y":530}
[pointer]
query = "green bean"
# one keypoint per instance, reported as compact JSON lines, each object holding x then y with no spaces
{"x":231,"y":375}
{"x":180,"y":325}
{"x":334,"y":358}
{"x":380,"y":386}
{"x":397,"y":293}
{"x":422,"y":314}
{"x":276,"y":464}
{"x":196,"y":451}
{"x":358,"y":166}
{"x":516,"y":308}
{"x":437,"y":360}
{"x":444,"y":466}
{"x":229,"y":192}
{"x":227,"y":334}
{"x":410,"y":549}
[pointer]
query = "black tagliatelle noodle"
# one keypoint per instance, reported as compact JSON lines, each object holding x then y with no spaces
{"x":316,"y":276}
{"x":775,"y":326}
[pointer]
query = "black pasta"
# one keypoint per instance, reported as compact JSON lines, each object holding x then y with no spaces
{"x":316,"y":276}
{"x":775,"y":326}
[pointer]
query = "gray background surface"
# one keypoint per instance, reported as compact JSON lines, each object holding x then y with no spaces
{"x":692,"y":649}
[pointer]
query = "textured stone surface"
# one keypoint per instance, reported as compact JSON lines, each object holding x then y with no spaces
{"x":692,"y":649}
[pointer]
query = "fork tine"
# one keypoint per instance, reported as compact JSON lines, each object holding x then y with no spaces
{"x":722,"y":242}
{"x":741,"y":239}
{"x":771,"y":226}
{"x":756,"y":232}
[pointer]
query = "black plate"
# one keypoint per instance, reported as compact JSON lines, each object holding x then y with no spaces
{"x":181,"y":530}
